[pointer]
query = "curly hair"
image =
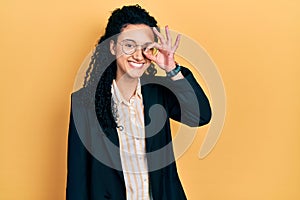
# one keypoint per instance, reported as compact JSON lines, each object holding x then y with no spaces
{"x":102,"y":67}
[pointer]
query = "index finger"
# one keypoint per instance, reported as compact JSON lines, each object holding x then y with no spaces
{"x":159,"y":35}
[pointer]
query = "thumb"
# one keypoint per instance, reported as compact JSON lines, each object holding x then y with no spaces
{"x":150,"y":56}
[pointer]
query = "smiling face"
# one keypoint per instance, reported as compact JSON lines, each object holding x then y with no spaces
{"x":131,"y":64}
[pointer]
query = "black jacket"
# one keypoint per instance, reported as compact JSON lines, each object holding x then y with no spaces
{"x":94,"y":166}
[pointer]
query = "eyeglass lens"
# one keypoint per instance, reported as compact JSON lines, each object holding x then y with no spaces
{"x":130,"y":46}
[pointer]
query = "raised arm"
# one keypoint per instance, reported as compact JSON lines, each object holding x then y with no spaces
{"x":186,"y":100}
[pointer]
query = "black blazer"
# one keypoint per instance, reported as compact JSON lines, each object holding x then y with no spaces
{"x":94,"y":166}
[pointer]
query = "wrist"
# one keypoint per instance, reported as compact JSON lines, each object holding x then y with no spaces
{"x":172,"y":67}
{"x":174,"y":71}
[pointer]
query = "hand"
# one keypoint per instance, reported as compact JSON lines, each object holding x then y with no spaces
{"x":165,"y":56}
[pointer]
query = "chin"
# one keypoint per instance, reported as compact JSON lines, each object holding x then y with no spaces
{"x":135,"y":74}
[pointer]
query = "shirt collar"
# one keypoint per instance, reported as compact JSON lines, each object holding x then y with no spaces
{"x":117,"y":95}
{"x":138,"y":89}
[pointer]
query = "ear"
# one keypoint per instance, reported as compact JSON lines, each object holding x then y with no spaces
{"x":112,"y":47}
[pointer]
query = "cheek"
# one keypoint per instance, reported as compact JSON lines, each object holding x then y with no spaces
{"x":122,"y":61}
{"x":119,"y":52}
{"x":120,"y":55}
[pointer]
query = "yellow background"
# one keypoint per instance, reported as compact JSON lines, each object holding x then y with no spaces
{"x":255,"y":45}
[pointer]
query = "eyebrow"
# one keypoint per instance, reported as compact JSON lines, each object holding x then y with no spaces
{"x":149,"y":42}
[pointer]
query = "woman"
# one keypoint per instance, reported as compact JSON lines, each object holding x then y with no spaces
{"x":119,"y":144}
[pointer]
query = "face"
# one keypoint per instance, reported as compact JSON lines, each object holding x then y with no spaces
{"x":132,"y":64}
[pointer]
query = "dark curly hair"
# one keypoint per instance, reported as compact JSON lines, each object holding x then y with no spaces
{"x":103,"y":64}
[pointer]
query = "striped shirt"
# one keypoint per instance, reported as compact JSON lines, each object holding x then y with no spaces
{"x":129,"y":116}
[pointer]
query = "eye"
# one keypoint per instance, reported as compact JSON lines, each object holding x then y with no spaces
{"x":129,"y":45}
{"x":146,"y":45}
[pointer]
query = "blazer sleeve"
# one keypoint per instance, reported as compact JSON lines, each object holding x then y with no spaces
{"x":186,"y":101}
{"x":77,"y":164}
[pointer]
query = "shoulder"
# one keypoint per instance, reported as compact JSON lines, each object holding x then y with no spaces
{"x":81,"y":109}
{"x":82,"y":99}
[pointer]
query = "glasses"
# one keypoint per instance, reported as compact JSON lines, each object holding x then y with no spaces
{"x":130,"y":46}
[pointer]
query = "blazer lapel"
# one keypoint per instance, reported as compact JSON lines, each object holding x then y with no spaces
{"x":105,"y":145}
{"x":147,"y":101}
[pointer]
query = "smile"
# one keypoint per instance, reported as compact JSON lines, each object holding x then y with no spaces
{"x":136,"y":65}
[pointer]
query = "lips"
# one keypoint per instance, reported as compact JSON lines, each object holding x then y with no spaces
{"x":135,"y":65}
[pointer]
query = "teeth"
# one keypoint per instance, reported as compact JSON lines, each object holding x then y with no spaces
{"x":137,"y":65}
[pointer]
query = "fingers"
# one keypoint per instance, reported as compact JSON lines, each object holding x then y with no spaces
{"x":169,"y":38}
{"x":155,"y":45}
{"x":160,"y":36}
{"x":176,"y":43}
{"x":162,"y":40}
{"x":167,"y":43}
{"x":150,"y":56}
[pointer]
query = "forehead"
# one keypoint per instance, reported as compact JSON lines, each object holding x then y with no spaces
{"x":138,"y":32}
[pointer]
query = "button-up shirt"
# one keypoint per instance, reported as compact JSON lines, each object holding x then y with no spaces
{"x":129,"y":116}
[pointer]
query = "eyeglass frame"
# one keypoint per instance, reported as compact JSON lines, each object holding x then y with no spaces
{"x":143,"y":46}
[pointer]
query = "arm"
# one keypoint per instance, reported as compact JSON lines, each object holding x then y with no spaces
{"x":77,"y":165}
{"x":186,"y":101}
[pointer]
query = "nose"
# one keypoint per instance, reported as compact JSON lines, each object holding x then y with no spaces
{"x":138,"y":54}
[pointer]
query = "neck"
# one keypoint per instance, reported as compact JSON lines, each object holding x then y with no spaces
{"x":127,"y":86}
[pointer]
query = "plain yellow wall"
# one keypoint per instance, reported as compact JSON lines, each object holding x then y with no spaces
{"x":255,"y":45}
